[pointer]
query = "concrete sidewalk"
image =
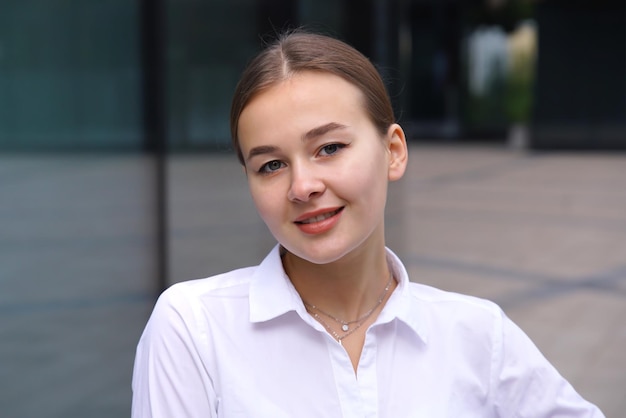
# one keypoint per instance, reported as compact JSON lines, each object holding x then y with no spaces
{"x":543,"y":235}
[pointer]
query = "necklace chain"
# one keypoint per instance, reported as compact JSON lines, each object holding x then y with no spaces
{"x":338,"y":337}
{"x":345,"y":325}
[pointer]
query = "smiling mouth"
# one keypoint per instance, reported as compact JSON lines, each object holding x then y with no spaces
{"x":320,"y":218}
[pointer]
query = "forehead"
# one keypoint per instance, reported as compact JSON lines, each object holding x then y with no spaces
{"x":308,"y":83}
{"x":304,"y":95}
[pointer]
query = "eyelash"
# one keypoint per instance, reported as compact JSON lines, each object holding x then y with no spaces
{"x":264,"y":169}
{"x":338,"y":146}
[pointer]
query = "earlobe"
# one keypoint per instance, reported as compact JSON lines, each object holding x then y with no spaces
{"x":398,"y":152}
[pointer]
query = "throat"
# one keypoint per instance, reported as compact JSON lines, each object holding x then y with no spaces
{"x":342,"y":327}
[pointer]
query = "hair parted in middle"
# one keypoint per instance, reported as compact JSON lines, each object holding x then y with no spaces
{"x":299,"y":51}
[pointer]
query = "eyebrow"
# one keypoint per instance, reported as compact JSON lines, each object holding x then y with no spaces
{"x":322,"y":130}
{"x":260,"y":150}
{"x":313,"y":133}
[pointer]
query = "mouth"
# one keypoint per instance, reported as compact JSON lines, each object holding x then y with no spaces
{"x":319,"y":218}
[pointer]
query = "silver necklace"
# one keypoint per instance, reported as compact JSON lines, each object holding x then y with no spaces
{"x":338,"y":337}
{"x":345,"y":325}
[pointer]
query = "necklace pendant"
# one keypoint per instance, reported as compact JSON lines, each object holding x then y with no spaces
{"x":345,"y":327}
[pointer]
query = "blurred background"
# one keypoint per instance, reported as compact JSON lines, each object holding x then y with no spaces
{"x":117,"y":178}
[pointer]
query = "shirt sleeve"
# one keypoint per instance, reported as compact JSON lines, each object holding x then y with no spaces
{"x":169,"y":379}
{"x":527,"y":385}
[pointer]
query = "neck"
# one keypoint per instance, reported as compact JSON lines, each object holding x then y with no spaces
{"x":347,"y":288}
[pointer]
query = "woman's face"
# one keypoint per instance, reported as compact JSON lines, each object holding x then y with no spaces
{"x":317,"y":167}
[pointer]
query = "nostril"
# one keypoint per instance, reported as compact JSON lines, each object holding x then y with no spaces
{"x":304,"y":191}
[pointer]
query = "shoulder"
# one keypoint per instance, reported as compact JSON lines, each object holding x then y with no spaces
{"x":429,"y":311}
{"x":222,"y":285}
{"x":444,"y":310}
{"x":450,"y":300}
{"x":193,"y":298}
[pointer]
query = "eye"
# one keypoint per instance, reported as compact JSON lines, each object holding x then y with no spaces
{"x":331,"y":149}
{"x":270,"y":167}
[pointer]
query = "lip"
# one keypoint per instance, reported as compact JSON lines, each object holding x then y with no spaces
{"x":316,"y":213}
{"x":307,"y":224}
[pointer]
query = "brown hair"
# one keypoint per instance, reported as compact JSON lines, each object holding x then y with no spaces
{"x":301,"y":51}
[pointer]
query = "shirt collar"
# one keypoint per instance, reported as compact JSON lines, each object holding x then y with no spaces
{"x":403,"y":305}
{"x":272,"y":294}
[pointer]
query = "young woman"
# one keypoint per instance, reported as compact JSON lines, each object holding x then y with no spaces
{"x":328,"y":325}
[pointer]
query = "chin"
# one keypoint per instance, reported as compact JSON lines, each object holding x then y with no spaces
{"x":319,"y":254}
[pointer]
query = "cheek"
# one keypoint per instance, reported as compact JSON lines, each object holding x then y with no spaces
{"x":366,"y":176}
{"x":266,"y":201}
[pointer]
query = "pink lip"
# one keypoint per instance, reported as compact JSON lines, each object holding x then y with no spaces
{"x":315,"y":213}
{"x":320,"y":226}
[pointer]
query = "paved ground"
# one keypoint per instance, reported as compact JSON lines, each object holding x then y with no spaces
{"x":543,"y":235}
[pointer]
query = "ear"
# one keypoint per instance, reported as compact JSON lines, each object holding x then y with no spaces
{"x":398,"y":152}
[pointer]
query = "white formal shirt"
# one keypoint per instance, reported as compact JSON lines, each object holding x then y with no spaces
{"x":242,"y":344}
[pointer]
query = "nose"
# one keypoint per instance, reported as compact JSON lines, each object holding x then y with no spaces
{"x":305,"y":183}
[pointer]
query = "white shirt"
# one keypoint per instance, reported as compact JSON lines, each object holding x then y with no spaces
{"x":242,"y":344}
